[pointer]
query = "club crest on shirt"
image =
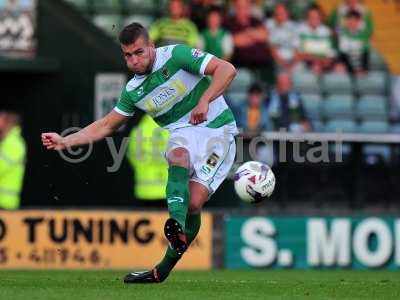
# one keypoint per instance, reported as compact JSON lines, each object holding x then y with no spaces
{"x":196,"y":53}
{"x":140,"y":91}
{"x":165,"y":73}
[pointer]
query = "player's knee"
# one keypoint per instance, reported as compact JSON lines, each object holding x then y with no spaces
{"x":196,"y":204}
{"x":178,"y":157}
{"x":195,"y":207}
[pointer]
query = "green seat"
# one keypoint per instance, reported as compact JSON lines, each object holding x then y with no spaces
{"x":376,"y":61}
{"x":374,"y":83}
{"x":111,"y":24}
{"x":145,"y":20}
{"x":372,"y":107}
{"x":338,"y":107}
{"x":373,"y":127}
{"x":312,"y":105}
{"x":334,"y":83}
{"x":107,"y":6}
{"x":306,"y":83}
{"x":346,"y":126}
{"x":244,"y":78}
{"x":236,"y":97}
{"x":80,"y":4}
{"x":140,"y":6}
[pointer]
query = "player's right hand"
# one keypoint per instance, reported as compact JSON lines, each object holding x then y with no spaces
{"x":53,"y":141}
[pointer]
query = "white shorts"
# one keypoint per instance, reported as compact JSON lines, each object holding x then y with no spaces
{"x":212,"y":153}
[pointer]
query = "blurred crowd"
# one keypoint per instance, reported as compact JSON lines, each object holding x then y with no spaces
{"x":274,"y":42}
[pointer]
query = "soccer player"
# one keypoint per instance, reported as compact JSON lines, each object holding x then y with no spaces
{"x":172,"y":86}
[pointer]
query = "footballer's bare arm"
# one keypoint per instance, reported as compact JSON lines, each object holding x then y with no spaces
{"x":94,"y":132}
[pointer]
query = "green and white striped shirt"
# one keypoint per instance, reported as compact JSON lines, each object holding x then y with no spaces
{"x":173,"y":89}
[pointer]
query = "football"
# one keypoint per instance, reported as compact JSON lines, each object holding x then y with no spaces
{"x":254,"y":182}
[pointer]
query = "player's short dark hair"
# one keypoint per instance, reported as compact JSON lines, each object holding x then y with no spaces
{"x":255,"y":88}
{"x":132,"y":32}
{"x":353,"y":14}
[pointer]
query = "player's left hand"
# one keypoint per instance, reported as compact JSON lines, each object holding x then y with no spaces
{"x":199,"y":113}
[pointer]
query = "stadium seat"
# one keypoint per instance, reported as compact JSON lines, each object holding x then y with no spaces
{"x":306,"y":83}
{"x":242,"y":81}
{"x":375,"y":154}
{"x":80,"y":4}
{"x":372,"y":107}
{"x":334,"y":83}
{"x":395,"y":128}
{"x":373,"y":127}
{"x":376,"y":61}
{"x":317,"y":126}
{"x":145,"y":20}
{"x":374,"y":83}
{"x":236,"y":97}
{"x":338,"y":107}
{"x":140,"y":6}
{"x":346,"y":126}
{"x":111,"y":24}
{"x":312,"y":105}
{"x":106,"y":6}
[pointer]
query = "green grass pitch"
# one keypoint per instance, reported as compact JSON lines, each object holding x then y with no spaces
{"x":214,"y":285}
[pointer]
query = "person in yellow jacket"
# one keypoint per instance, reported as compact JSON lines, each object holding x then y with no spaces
{"x":145,"y":153}
{"x":12,"y":159}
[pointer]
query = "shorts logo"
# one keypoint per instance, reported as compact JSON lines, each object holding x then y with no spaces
{"x":212,"y":161}
{"x":196,"y":53}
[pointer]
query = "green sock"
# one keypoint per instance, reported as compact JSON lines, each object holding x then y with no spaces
{"x":178,"y":194}
{"x":171,"y":257}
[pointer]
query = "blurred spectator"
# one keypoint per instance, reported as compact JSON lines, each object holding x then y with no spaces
{"x":175,"y":29}
{"x":337,"y":20}
{"x":316,"y":47}
{"x":353,"y":44}
{"x":252,"y":114}
{"x":286,"y":108}
{"x":249,"y":37}
{"x":199,"y":10}
{"x":12,"y":158}
{"x":283,"y":38}
{"x":214,"y":38}
{"x":147,"y":143}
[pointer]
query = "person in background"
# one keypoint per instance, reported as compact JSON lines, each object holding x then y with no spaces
{"x":337,"y":19}
{"x":147,"y":143}
{"x":316,"y":46}
{"x":175,"y":29}
{"x":285,"y":107}
{"x":199,"y":10}
{"x":12,"y":158}
{"x":215,"y":39}
{"x":354,"y":44}
{"x":249,"y":37}
{"x":252,"y":114}
{"x":283,"y":38}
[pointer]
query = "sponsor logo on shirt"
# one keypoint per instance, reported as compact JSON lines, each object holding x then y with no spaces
{"x":166,"y":95}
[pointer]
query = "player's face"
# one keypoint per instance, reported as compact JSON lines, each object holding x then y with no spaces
{"x":139,"y":56}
